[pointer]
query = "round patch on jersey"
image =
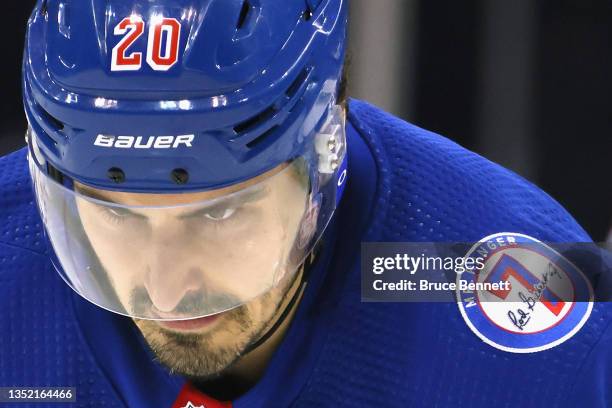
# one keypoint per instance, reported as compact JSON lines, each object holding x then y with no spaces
{"x":524,"y":297}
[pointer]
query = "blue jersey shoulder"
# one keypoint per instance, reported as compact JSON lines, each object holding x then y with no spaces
{"x":432,"y":189}
{"x":20,"y":224}
{"x":40,"y":341}
{"x":427,"y":188}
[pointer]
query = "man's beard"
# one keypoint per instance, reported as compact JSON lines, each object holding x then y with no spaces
{"x":201,"y":355}
{"x":205,"y":356}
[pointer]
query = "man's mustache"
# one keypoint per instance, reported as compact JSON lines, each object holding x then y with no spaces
{"x":193,"y":304}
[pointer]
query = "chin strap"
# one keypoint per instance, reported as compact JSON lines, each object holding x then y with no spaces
{"x":306,"y":268}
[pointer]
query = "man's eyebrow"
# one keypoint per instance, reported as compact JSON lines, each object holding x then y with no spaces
{"x":237,"y":199}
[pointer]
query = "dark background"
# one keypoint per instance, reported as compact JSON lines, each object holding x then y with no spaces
{"x":526,"y":83}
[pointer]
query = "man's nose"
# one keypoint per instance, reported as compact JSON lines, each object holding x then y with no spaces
{"x":170,"y":274}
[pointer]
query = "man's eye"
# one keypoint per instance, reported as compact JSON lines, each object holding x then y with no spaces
{"x":119,"y":212}
{"x":220,"y":214}
{"x":117,"y":215}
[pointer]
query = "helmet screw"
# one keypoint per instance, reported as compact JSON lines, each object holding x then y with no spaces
{"x":180,"y":176}
{"x":116,"y":174}
{"x":307,"y":14}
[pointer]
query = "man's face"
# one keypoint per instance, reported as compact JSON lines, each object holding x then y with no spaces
{"x":169,"y":259}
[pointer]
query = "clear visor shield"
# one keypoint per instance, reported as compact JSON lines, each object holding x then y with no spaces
{"x":183,"y":256}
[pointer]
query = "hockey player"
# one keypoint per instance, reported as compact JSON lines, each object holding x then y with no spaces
{"x":195,"y":177}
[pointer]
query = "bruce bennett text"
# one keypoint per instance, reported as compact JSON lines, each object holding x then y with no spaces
{"x":425,"y":285}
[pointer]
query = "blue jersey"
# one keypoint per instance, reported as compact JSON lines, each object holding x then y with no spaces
{"x":405,"y":184}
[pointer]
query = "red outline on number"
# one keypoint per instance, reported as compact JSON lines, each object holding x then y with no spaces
{"x":154,"y":58}
{"x":133,"y":62}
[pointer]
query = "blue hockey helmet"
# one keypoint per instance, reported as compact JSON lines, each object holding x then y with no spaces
{"x":171,"y":140}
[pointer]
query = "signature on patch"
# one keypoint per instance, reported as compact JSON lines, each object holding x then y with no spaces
{"x":520,"y":317}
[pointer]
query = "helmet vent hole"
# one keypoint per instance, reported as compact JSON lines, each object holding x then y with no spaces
{"x":257,"y":141}
{"x":54,"y":122}
{"x":244,"y":14}
{"x":255,"y":120}
{"x":297,"y":83}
